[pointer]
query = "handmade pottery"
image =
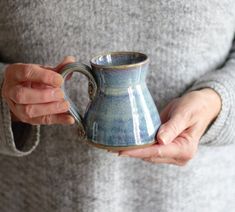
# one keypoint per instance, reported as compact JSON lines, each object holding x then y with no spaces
{"x":121,"y":113}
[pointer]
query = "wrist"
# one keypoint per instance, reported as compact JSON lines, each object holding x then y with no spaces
{"x":213,"y":101}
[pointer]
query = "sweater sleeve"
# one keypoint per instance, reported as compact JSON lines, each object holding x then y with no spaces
{"x":222,"y":80}
{"x":16,"y":139}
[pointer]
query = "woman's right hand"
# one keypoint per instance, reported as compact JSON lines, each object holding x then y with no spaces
{"x":33,"y":94}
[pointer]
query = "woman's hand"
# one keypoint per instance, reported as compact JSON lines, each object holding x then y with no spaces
{"x":185,"y":119}
{"x":33,"y":94}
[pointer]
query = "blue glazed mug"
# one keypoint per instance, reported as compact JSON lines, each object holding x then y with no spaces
{"x":121,"y":113}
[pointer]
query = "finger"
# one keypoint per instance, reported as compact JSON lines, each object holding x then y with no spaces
{"x":35,"y":73}
{"x":66,"y":60}
{"x":40,"y":86}
{"x":183,"y":148}
{"x":37,"y":110}
{"x":53,"y":119}
{"x":164,"y":115}
{"x":157,"y":150}
{"x":172,"y":128}
{"x":35,"y":85}
{"x":25,"y":95}
{"x":147,"y":152}
{"x":27,"y":84}
{"x":173,"y":150}
{"x":164,"y":161}
{"x":47,"y":67}
{"x":11,"y":105}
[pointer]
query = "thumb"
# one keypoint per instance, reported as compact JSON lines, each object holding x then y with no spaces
{"x":171,"y":129}
{"x":66,"y":60}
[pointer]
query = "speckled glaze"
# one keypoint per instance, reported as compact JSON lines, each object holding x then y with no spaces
{"x":121,"y":113}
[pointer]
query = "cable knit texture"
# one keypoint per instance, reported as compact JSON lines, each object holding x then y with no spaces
{"x":190,"y":45}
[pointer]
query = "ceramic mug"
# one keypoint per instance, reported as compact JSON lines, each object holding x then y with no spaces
{"x":121,"y":113}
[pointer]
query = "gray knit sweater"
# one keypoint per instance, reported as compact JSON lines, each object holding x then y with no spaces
{"x":190,"y":45}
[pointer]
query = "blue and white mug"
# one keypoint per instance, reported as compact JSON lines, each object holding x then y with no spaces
{"x":121,"y":113}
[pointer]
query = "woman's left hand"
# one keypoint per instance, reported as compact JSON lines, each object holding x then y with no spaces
{"x":185,"y":119}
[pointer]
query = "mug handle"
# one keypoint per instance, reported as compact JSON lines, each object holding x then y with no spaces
{"x":92,"y":89}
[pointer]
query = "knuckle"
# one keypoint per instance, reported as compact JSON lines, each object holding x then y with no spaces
{"x":173,"y":127}
{"x":28,"y":71}
{"x":47,"y":120}
{"x":185,"y":114}
{"x":28,"y":111}
{"x":158,"y":153}
{"x":49,"y":77}
{"x":18,"y":94}
{"x":188,"y":137}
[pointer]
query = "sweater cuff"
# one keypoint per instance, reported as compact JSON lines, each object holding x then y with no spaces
{"x":16,"y":139}
{"x":220,"y":130}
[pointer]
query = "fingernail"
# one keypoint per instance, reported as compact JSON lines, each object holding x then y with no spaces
{"x":58,"y":94}
{"x":164,"y":137}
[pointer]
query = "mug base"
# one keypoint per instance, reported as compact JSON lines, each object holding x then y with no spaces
{"x":118,"y":148}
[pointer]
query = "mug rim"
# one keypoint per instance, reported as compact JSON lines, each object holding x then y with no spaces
{"x":133,"y":65}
